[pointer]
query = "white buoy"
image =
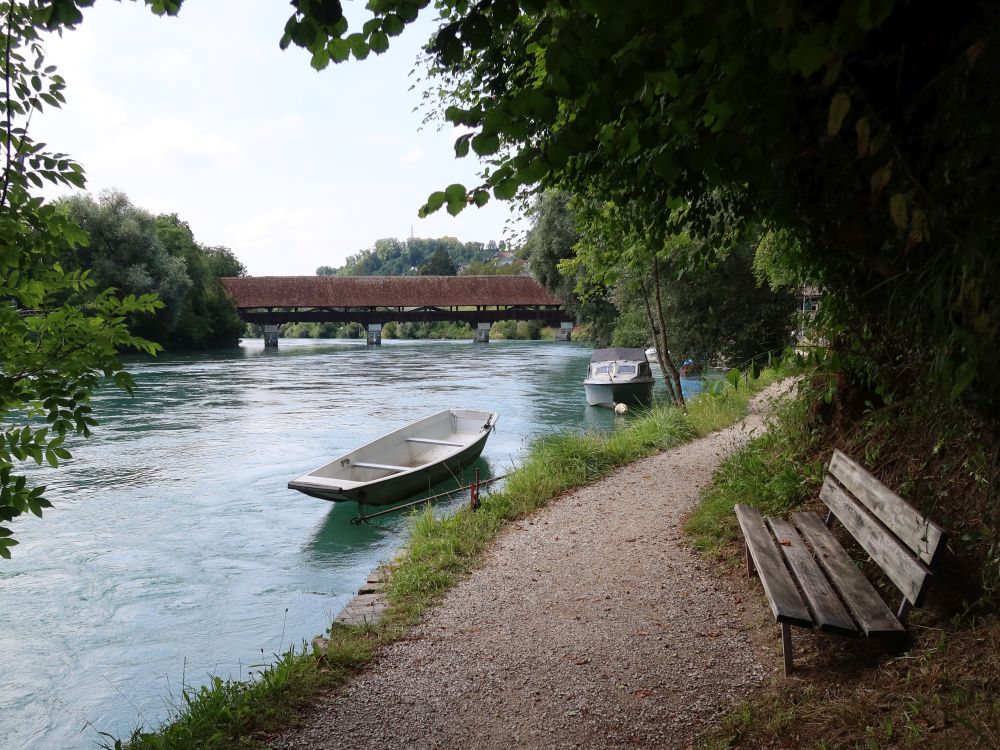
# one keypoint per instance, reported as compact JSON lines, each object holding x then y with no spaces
{"x":620,"y":408}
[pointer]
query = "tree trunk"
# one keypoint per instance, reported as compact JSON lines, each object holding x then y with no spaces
{"x":656,"y":341}
{"x":662,"y":351}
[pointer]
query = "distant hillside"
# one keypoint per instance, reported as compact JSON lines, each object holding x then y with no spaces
{"x":413,"y":257}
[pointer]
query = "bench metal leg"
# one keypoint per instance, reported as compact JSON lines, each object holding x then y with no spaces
{"x":786,"y":646}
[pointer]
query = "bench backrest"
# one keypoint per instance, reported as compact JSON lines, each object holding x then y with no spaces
{"x":901,"y":540}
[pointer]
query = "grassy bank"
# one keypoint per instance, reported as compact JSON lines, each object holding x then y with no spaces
{"x":944,"y":692}
{"x":241,"y":713}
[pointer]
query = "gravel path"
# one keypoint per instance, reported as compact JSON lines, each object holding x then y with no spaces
{"x":589,"y":624}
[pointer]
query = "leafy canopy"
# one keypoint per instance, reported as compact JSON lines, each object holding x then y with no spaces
{"x":59,"y":336}
{"x":863,"y":128}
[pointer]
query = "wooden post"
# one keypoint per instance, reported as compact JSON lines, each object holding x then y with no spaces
{"x":474,"y":493}
{"x":786,"y":646}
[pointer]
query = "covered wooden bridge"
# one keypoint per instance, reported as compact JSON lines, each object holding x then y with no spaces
{"x":374,"y":301}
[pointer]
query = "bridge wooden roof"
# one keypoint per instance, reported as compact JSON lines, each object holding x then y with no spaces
{"x":387,"y":291}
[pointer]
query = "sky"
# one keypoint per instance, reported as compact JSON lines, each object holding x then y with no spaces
{"x":204,"y":116}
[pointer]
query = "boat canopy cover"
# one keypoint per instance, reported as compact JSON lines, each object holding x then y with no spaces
{"x":618,"y":353}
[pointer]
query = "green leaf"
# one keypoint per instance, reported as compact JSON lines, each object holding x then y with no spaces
{"x":339,"y":50}
{"x":733,"y":376}
{"x":880,"y":178}
{"x":462,"y":145}
{"x":485,"y":144}
{"x":378,"y":42}
{"x":359,"y":47}
{"x":436,"y":200}
{"x":480,"y":198}
{"x":320,"y":59}
{"x":506,"y":189}
{"x":393,"y":25}
{"x":864,"y":131}
{"x":840,"y":105}
{"x":899,"y":212}
{"x":455,"y":192}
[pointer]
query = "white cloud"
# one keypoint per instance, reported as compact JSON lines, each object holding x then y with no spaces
{"x":168,"y":143}
{"x":290,"y":168}
{"x":167,"y":60}
{"x":285,"y":241}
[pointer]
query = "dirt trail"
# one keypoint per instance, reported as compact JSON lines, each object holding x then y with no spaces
{"x":590,"y":624}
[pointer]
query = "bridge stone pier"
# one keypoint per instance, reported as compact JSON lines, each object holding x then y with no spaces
{"x":564,"y":332}
{"x":373,"y":301}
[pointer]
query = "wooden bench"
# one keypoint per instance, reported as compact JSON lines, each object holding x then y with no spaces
{"x":811,"y":581}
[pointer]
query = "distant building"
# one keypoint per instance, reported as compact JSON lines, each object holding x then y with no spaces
{"x":504,"y":257}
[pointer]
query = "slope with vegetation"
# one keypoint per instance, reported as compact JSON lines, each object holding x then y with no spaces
{"x":415,"y":256}
{"x":942,"y":692}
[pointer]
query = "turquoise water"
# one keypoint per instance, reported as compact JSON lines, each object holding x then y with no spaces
{"x":175,"y":550}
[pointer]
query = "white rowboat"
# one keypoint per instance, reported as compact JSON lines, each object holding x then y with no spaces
{"x":398,"y":465}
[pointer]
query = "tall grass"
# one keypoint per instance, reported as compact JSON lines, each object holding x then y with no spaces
{"x":237,"y":713}
{"x":772,"y":472}
{"x":941,"y":694}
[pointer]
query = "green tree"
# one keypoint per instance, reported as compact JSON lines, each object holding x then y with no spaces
{"x":392,"y":257}
{"x":439,"y":264}
{"x":863,"y":128}
{"x":493,"y":268}
{"x":206,"y":316}
{"x":138,"y":253}
{"x":722,"y":314}
{"x":58,"y":337}
{"x":551,"y":240}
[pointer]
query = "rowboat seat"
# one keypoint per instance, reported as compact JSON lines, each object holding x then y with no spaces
{"x":386,"y":467}
{"x":432,"y":441}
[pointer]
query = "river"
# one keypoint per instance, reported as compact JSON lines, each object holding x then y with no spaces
{"x":175,"y":550}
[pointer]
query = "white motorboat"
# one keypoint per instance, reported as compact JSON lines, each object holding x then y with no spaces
{"x":618,"y":376}
{"x":402,"y":463}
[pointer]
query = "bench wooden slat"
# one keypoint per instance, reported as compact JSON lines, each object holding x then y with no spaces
{"x":895,"y":559}
{"x":919,"y":533}
{"x":782,"y":596}
{"x":828,"y":612}
{"x":857,"y":592}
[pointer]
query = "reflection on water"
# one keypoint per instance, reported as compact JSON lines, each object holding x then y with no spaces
{"x":176,"y":550}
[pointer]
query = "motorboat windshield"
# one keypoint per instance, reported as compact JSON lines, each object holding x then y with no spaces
{"x":618,"y":363}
